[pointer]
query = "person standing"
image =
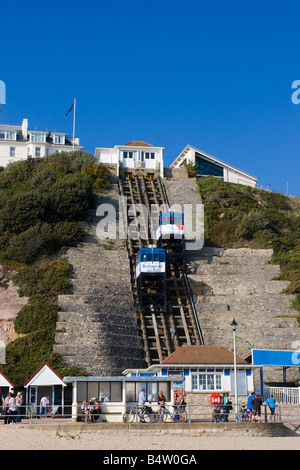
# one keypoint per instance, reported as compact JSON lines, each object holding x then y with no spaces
{"x":12,"y":409}
{"x":142,"y":401}
{"x":44,"y":403}
{"x":271,"y":404}
{"x":257,"y":402}
{"x":5,"y":408}
{"x":19,"y":403}
{"x":250,"y":405}
{"x":161,"y":400}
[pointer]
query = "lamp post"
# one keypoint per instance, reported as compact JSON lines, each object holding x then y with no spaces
{"x":234,"y":327}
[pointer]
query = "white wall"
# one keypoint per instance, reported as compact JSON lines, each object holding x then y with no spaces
{"x":24,"y":149}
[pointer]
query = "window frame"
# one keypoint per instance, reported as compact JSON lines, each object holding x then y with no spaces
{"x":206,"y":381}
{"x":38,"y":137}
{"x":86,"y":384}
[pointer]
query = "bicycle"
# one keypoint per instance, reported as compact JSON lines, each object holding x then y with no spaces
{"x":145,"y":414}
{"x":178,"y":415}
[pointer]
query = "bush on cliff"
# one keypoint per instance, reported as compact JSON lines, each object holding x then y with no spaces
{"x":241,"y":216}
{"x":42,"y":202}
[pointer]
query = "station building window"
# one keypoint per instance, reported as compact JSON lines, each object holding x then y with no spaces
{"x":133,"y":390}
{"x":206,"y":168}
{"x":206,"y":381}
{"x":150,"y":155}
{"x":127,"y":154}
{"x":104,"y":391}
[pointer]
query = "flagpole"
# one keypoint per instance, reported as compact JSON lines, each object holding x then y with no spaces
{"x":74,"y":122}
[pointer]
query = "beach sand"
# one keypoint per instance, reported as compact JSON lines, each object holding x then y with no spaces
{"x":22,"y":437}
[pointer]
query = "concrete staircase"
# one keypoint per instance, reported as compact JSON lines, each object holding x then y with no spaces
{"x":97,"y":327}
{"x":240,"y":283}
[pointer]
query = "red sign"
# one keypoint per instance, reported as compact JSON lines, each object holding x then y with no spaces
{"x":215,"y":399}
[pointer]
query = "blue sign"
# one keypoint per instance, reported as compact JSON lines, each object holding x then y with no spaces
{"x":269,"y":357}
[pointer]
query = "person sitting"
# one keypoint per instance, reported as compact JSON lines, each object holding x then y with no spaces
{"x":86,"y":409}
{"x":95,"y":413}
{"x":161,"y":400}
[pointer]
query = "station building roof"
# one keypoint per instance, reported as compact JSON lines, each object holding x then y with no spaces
{"x":204,"y":354}
{"x":138,"y":143}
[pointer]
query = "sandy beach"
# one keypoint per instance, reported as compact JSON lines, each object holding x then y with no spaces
{"x":22,"y":437}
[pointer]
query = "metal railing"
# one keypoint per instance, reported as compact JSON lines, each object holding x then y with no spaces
{"x":189,"y":414}
{"x":288,"y":395}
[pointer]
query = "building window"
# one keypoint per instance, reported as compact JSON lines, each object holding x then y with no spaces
{"x":37,"y":137}
{"x":104,"y":391}
{"x":204,"y":382}
{"x":133,"y":390}
{"x":59,"y":139}
{"x":12,"y":151}
{"x":206,"y":168}
{"x":150,"y":155}
{"x":127,"y":154}
{"x":8,"y":135}
{"x":37,"y":151}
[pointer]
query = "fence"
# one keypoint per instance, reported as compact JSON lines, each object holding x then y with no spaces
{"x":191,"y":414}
{"x":288,"y":395}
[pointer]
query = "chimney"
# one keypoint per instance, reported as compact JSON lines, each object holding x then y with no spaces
{"x":25,"y":129}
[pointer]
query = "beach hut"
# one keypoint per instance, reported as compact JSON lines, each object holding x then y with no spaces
{"x":45,"y":382}
{"x":5,"y":386}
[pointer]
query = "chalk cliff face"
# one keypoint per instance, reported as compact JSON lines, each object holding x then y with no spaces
{"x":10,"y":304}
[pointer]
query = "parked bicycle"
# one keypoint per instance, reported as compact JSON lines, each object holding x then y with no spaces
{"x":177,"y":416}
{"x":143,"y":414}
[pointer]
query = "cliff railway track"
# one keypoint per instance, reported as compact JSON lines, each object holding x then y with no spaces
{"x":167,"y":325}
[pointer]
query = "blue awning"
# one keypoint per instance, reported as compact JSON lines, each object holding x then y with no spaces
{"x":270,"y":357}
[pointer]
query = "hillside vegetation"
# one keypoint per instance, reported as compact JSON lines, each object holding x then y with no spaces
{"x":42,"y":202}
{"x":241,"y":216}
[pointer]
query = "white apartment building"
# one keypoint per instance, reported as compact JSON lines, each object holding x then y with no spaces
{"x":18,"y":142}
{"x":135,"y":154}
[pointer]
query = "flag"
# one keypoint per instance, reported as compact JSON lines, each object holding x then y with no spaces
{"x":70,"y":109}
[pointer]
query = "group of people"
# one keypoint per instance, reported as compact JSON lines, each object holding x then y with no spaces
{"x":91,"y":409}
{"x":254,"y":404}
{"x":145,"y":402}
{"x":221,"y":411}
{"x":11,"y":407}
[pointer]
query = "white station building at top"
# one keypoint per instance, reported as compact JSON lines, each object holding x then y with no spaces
{"x":134,"y":155}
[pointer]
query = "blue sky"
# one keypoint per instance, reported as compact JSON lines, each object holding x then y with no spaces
{"x":213,"y":74}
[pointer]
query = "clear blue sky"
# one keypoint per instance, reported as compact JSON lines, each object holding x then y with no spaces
{"x":213,"y":74}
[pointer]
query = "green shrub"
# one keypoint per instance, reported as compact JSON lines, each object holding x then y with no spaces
{"x":46,"y":280}
{"x":70,"y":198}
{"x":67,"y":234}
{"x":99,"y":174}
{"x":252,"y":222}
{"x":22,"y":210}
{"x":38,"y":314}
